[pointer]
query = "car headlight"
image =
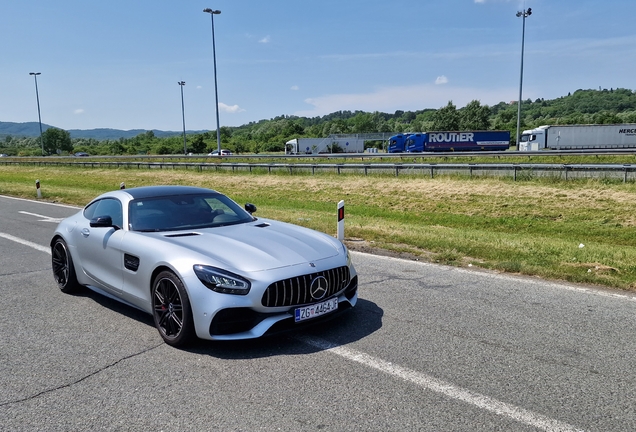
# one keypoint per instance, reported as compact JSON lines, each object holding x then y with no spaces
{"x":222,"y":281}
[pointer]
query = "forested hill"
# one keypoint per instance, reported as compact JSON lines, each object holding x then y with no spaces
{"x":581,"y":107}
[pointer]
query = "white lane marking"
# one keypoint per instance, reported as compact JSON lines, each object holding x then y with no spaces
{"x":40,"y":202}
{"x":447,"y":389}
{"x":44,"y":218}
{"x":26,"y":243}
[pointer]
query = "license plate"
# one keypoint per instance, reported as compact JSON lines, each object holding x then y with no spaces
{"x":316,"y":310}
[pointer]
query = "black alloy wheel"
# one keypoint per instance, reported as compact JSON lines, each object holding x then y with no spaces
{"x":62,"y":265}
{"x":171,"y":309}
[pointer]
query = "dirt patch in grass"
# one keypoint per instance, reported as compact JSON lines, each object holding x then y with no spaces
{"x":595,"y":267}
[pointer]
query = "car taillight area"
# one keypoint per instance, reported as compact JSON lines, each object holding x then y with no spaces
{"x":306,"y":288}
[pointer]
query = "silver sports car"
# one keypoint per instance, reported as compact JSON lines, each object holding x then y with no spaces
{"x":202,"y":265}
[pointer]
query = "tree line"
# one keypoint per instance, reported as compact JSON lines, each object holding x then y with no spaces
{"x":581,"y":107}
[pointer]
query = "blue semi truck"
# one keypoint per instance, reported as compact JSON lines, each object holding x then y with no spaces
{"x":396,"y":143}
{"x":445,"y":141}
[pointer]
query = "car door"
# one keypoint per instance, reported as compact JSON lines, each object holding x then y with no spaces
{"x":99,"y":248}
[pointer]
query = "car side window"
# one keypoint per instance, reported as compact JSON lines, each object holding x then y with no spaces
{"x":106,"y":207}
{"x":89,"y":211}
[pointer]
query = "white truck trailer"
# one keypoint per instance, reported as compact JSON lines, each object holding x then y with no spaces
{"x":579,"y":137}
{"x":324,"y":145}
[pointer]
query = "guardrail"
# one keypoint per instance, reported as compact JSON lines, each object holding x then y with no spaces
{"x":624,"y":172}
{"x":362,"y":156}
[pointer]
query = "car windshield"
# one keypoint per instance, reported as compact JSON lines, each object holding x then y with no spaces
{"x":183,"y":212}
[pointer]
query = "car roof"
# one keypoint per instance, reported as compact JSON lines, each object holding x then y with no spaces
{"x":156,"y":191}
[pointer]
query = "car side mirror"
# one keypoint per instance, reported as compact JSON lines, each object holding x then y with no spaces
{"x":250,"y":208}
{"x":102,"y":222}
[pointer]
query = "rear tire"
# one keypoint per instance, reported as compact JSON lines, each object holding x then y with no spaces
{"x":171,"y":310}
{"x":63,"y":269}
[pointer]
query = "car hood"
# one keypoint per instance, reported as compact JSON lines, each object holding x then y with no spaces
{"x":258,"y":246}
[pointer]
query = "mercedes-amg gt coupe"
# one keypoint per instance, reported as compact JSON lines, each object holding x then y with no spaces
{"x":201,"y":264}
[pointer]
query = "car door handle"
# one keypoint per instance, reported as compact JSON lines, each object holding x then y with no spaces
{"x":86,"y":232}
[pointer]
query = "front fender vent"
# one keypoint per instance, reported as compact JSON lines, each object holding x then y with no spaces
{"x":131,"y":262}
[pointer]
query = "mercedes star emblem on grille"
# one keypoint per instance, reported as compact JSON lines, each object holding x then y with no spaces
{"x":318,"y":288}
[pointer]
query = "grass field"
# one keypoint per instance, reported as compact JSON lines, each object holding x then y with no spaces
{"x":580,"y":231}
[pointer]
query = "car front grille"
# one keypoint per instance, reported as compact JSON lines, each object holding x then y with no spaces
{"x":296,"y":291}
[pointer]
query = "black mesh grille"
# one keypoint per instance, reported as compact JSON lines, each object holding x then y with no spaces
{"x":295,"y":291}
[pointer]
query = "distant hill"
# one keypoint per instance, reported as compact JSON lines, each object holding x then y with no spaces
{"x":32,"y":129}
{"x":22,"y":129}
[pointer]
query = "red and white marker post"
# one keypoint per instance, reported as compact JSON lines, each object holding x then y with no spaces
{"x":341,"y":215}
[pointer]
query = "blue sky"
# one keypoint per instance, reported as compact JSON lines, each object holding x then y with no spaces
{"x":116,"y":64}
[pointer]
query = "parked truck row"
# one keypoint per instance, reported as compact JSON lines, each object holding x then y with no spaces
{"x":445,"y":141}
{"x":579,"y":137}
{"x":560,"y":137}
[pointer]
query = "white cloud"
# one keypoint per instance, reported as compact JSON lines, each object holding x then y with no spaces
{"x":407,"y":98}
{"x":232,"y":109}
{"x":199,"y":87}
{"x":441,"y":80}
{"x":265,"y":40}
{"x":79,"y":111}
{"x":295,"y":87}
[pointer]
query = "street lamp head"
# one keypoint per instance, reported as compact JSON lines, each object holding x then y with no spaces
{"x":35,"y":73}
{"x":181,"y":83}
{"x":211,"y":11}
{"x":525,"y":13}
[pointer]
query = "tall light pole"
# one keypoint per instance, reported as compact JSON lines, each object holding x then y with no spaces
{"x":523,"y":14}
{"x":216,"y":93}
{"x":181,"y":84}
{"x":37,"y":97}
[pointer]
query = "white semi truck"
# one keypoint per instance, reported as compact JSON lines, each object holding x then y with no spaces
{"x":324,"y":145}
{"x":579,"y":137}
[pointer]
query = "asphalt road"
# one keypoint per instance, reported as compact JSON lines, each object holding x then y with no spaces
{"x":428,"y":348}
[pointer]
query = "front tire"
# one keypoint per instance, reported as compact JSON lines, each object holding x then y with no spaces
{"x":171,"y":309}
{"x":63,"y":269}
